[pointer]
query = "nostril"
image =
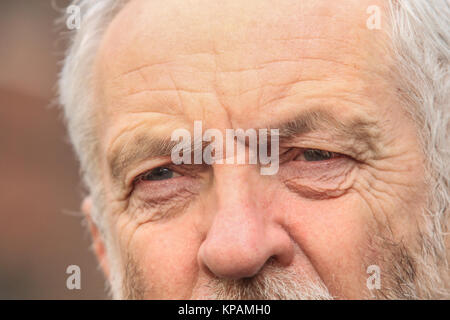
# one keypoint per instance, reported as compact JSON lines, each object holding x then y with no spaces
{"x":235,"y":271}
{"x":222,"y":258}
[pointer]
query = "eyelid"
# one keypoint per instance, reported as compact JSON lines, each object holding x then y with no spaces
{"x":184,"y":170}
{"x":142,"y":168}
{"x":334,"y":155}
{"x":345,"y":148}
{"x":318,"y":179}
{"x":139,"y":177}
{"x":293,"y":152}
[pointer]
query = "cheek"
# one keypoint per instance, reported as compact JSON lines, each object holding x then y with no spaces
{"x":167,"y":256}
{"x":334,"y":234}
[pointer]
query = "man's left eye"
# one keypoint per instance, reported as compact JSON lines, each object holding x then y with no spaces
{"x":316,"y":155}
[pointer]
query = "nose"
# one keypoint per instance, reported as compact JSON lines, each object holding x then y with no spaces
{"x":244,"y":233}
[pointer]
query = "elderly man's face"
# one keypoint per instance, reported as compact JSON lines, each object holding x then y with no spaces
{"x":224,"y":230}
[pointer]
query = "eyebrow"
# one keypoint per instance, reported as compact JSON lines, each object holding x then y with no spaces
{"x":357,"y":129}
{"x":142,"y":147}
{"x":362,"y":133}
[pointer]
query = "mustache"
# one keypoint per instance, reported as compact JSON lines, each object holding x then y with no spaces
{"x":271,"y":283}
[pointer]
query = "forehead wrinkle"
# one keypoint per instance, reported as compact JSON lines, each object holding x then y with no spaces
{"x":297,"y":32}
{"x":222,"y":54}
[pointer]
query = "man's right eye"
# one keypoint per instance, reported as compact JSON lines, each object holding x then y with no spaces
{"x":157,"y":174}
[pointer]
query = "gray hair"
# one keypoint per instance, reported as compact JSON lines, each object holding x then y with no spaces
{"x":419,"y":30}
{"x":75,"y":89}
{"x":421,"y":43}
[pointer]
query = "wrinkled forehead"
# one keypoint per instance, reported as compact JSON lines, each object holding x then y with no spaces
{"x":234,"y":48}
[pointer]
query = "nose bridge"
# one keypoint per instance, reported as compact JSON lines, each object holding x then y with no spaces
{"x":233,"y":185}
{"x":238,"y":217}
{"x":242,"y":236}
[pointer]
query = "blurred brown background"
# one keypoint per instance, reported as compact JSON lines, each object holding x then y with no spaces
{"x":41,"y":231}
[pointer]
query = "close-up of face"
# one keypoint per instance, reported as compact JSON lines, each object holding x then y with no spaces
{"x":343,"y":216}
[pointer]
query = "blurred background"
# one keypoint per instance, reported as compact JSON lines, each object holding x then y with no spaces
{"x":41,"y":230}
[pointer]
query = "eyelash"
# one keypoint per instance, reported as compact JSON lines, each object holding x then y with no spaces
{"x":141,"y":176}
{"x":292,"y":154}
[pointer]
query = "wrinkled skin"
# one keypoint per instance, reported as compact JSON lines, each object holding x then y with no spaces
{"x":254,"y":64}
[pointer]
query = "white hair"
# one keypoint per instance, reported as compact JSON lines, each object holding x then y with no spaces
{"x":75,"y":87}
{"x":76,"y":98}
{"x":419,"y":30}
{"x":421,"y":44}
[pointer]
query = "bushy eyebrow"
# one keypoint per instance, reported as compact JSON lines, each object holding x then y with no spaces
{"x":144,"y":146}
{"x":362,"y":131}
